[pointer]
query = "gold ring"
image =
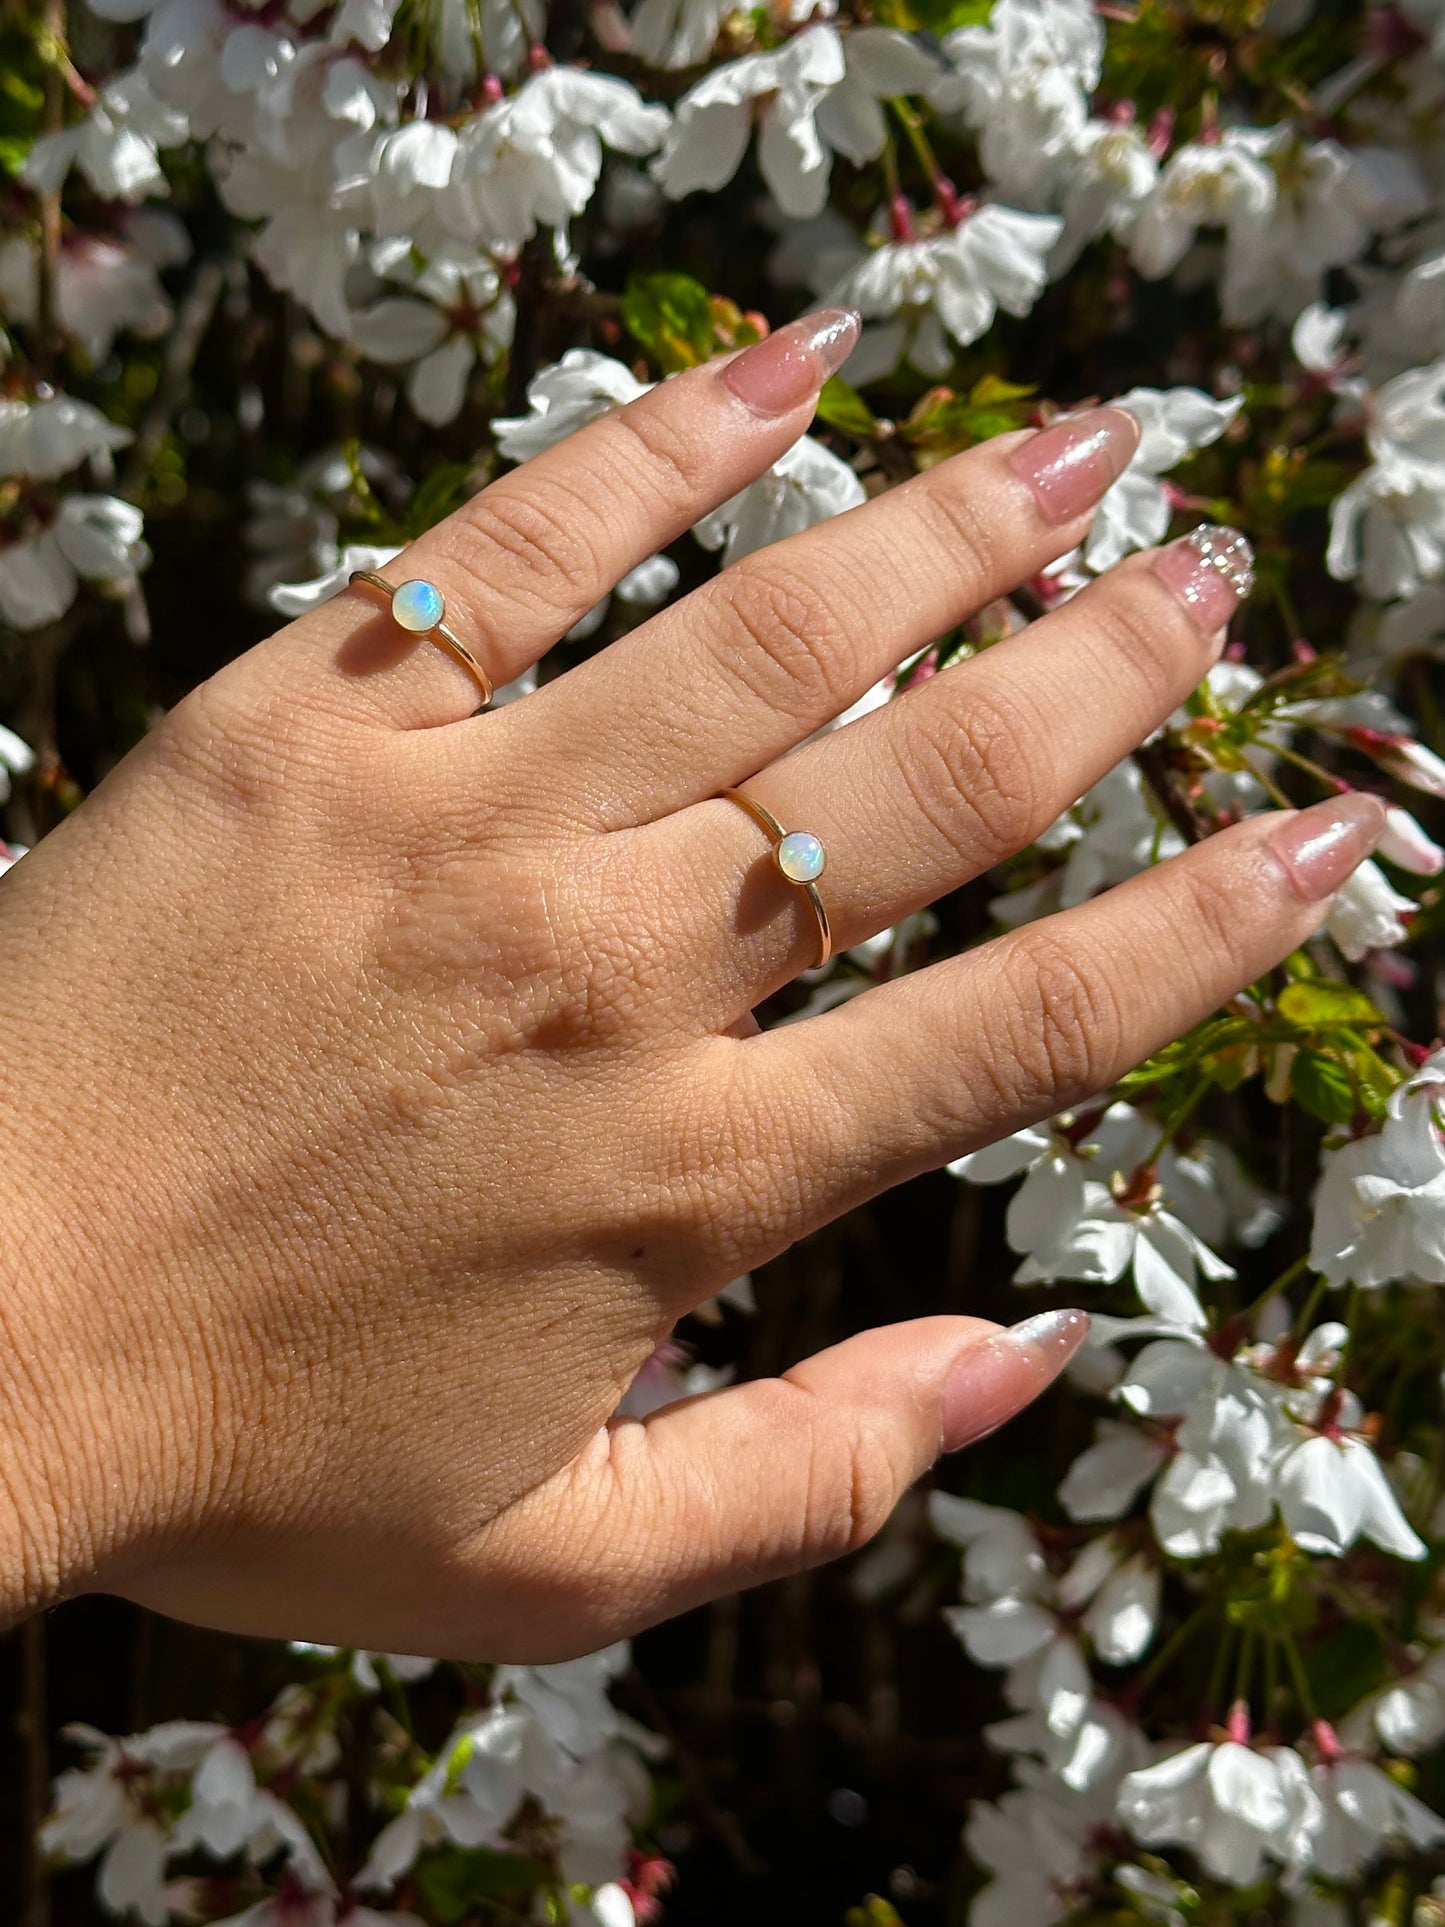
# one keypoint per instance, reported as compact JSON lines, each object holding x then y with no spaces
{"x":420,"y":608}
{"x":799,"y":856}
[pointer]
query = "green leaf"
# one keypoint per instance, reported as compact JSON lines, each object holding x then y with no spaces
{"x":1323,"y":1088}
{"x":453,"y":1880}
{"x":671,"y":316}
{"x":1318,"y":1003}
{"x":843,"y":407}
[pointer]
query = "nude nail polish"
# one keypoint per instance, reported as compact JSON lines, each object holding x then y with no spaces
{"x":788,"y":367}
{"x":1211,"y":571}
{"x":1071,"y":464}
{"x":1322,"y":846}
{"x":998,"y":1376}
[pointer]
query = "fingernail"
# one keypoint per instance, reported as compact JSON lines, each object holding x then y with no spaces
{"x":997,"y":1377}
{"x":1324,"y":845}
{"x":1070,"y":465}
{"x":781,"y":372}
{"x":1211,"y":571}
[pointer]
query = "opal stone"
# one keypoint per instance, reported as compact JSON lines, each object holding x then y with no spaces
{"x":418,"y":606}
{"x":800,"y":857}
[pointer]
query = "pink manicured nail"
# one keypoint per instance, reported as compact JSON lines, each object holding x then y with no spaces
{"x":1070,"y":465}
{"x":1324,"y":845}
{"x":780,"y":373}
{"x":1211,"y":571}
{"x":997,"y":1377}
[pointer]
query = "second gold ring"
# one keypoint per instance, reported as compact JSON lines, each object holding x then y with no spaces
{"x":798,"y":856}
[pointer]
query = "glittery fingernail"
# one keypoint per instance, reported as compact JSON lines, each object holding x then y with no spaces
{"x":1211,"y":571}
{"x":997,"y":1377}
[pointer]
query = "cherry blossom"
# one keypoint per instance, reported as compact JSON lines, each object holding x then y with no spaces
{"x":953,"y":283}
{"x":1380,"y":1211}
{"x":1234,"y":1806}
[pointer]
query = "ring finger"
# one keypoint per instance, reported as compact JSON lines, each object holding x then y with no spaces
{"x":944,"y":782}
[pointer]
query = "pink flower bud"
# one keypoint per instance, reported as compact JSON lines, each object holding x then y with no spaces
{"x":1404,"y":758}
{"x":1406,"y":845}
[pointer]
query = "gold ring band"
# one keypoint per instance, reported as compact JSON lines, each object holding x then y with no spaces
{"x":419,"y":607}
{"x":799,"y":858}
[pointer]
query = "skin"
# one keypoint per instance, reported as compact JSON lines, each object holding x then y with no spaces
{"x":380,"y":1085}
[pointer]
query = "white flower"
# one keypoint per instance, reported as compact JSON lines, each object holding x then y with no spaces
{"x":1121,"y":1617}
{"x":42,"y":439}
{"x":569,"y":1701}
{"x":806,"y":486}
{"x":1111,"y":171}
{"x":1380,"y":1209}
{"x":562,"y":399}
{"x":881,"y":63}
{"x":1407,"y":846}
{"x":1040,"y":1844}
{"x":97,"y":537}
{"x":1111,"y":833}
{"x":781,"y":91}
{"x":1328,"y":204}
{"x":1174,"y":423}
{"x":1110,"y":1239}
{"x":1215,"y":1470}
{"x":1219,"y":184}
{"x":951,"y":283}
{"x":1367,"y":914}
{"x":1001,"y":1551}
{"x":677,"y":33}
{"x":1234,"y":1807}
{"x":1362,"y":1812}
{"x":467,"y":1796}
{"x":533,"y":160}
{"x":1106,"y":1478}
{"x":472,"y":310}
{"x":229,"y":1814}
{"x":1021,"y":83}
{"x":1318,"y":338}
{"x":115,"y":146}
{"x":103,"y":285}
{"x":1407,"y":1716}
{"x":1388,"y":526}
{"x":1332,"y":1491}
{"x":103,"y":1808}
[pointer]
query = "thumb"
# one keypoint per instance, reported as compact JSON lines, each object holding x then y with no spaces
{"x":715,"y":1493}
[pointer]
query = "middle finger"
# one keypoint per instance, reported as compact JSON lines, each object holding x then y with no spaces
{"x":786,"y":639}
{"x":941,"y":784}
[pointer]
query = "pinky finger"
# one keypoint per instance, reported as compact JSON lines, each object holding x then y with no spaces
{"x":918,"y":1071}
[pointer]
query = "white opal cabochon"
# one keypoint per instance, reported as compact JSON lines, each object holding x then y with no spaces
{"x":418,"y":605}
{"x":800,"y":857}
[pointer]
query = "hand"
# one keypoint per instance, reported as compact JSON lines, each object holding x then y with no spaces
{"x":380,"y":1081}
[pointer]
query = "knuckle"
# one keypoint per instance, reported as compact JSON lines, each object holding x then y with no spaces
{"x":1212,"y":910}
{"x":1065,"y":1029}
{"x":656,"y":454}
{"x":547,"y":534}
{"x":241,"y":748}
{"x":849,"y":1490}
{"x":972,"y":776}
{"x":961,"y":519}
{"x":802,"y":656}
{"x":1137,"y":636}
